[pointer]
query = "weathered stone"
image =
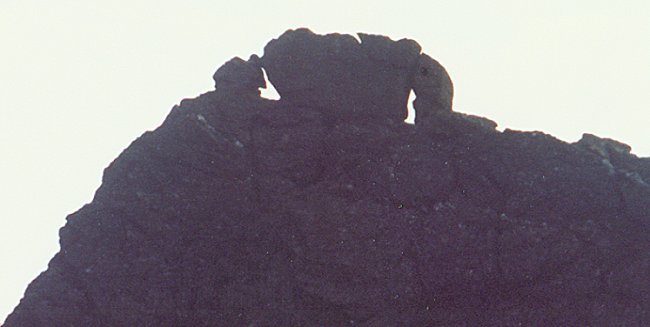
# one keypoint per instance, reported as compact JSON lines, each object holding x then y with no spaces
{"x":433,"y":89}
{"x":603,"y":146}
{"x":345,"y":78}
{"x":238,"y":76}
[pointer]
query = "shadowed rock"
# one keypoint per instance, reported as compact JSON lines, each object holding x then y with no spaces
{"x":433,"y":89}
{"x":343,"y":78}
{"x":238,"y":76}
{"x":325,"y":209}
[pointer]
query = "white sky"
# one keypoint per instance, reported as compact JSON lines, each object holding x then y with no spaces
{"x":79,"y":80}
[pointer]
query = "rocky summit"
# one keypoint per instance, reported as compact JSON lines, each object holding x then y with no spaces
{"x":324,"y":208}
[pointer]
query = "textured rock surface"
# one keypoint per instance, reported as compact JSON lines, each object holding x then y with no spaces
{"x":325,"y":209}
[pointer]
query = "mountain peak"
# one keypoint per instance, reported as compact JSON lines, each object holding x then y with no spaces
{"x":326,"y":208}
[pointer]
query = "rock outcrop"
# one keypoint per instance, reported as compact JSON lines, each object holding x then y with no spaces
{"x":350,"y":80}
{"x":238,"y":77}
{"x":325,"y":209}
{"x":433,"y":89}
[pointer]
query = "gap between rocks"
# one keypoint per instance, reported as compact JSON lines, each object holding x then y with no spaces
{"x":269,"y":93}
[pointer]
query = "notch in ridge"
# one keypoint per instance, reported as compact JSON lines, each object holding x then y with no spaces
{"x":269,"y":93}
{"x":356,"y":37}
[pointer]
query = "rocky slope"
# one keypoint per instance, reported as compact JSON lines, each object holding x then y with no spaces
{"x":324,"y":208}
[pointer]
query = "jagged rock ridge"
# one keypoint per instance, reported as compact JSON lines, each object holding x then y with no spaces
{"x":325,"y":208}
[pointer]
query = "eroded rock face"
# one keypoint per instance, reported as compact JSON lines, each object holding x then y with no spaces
{"x":345,"y":78}
{"x":352,"y":80}
{"x":238,"y":76}
{"x":433,"y":89}
{"x":240,"y":211}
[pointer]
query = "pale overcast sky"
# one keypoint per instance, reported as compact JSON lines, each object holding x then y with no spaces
{"x":80,"y":80}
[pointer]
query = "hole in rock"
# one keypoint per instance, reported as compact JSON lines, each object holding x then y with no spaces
{"x":269,"y":92}
{"x":410,"y":118}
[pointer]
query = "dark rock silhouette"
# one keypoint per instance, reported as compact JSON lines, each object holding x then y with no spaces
{"x":237,"y":77}
{"x":341,"y":77}
{"x":325,"y":209}
{"x":433,"y":89}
